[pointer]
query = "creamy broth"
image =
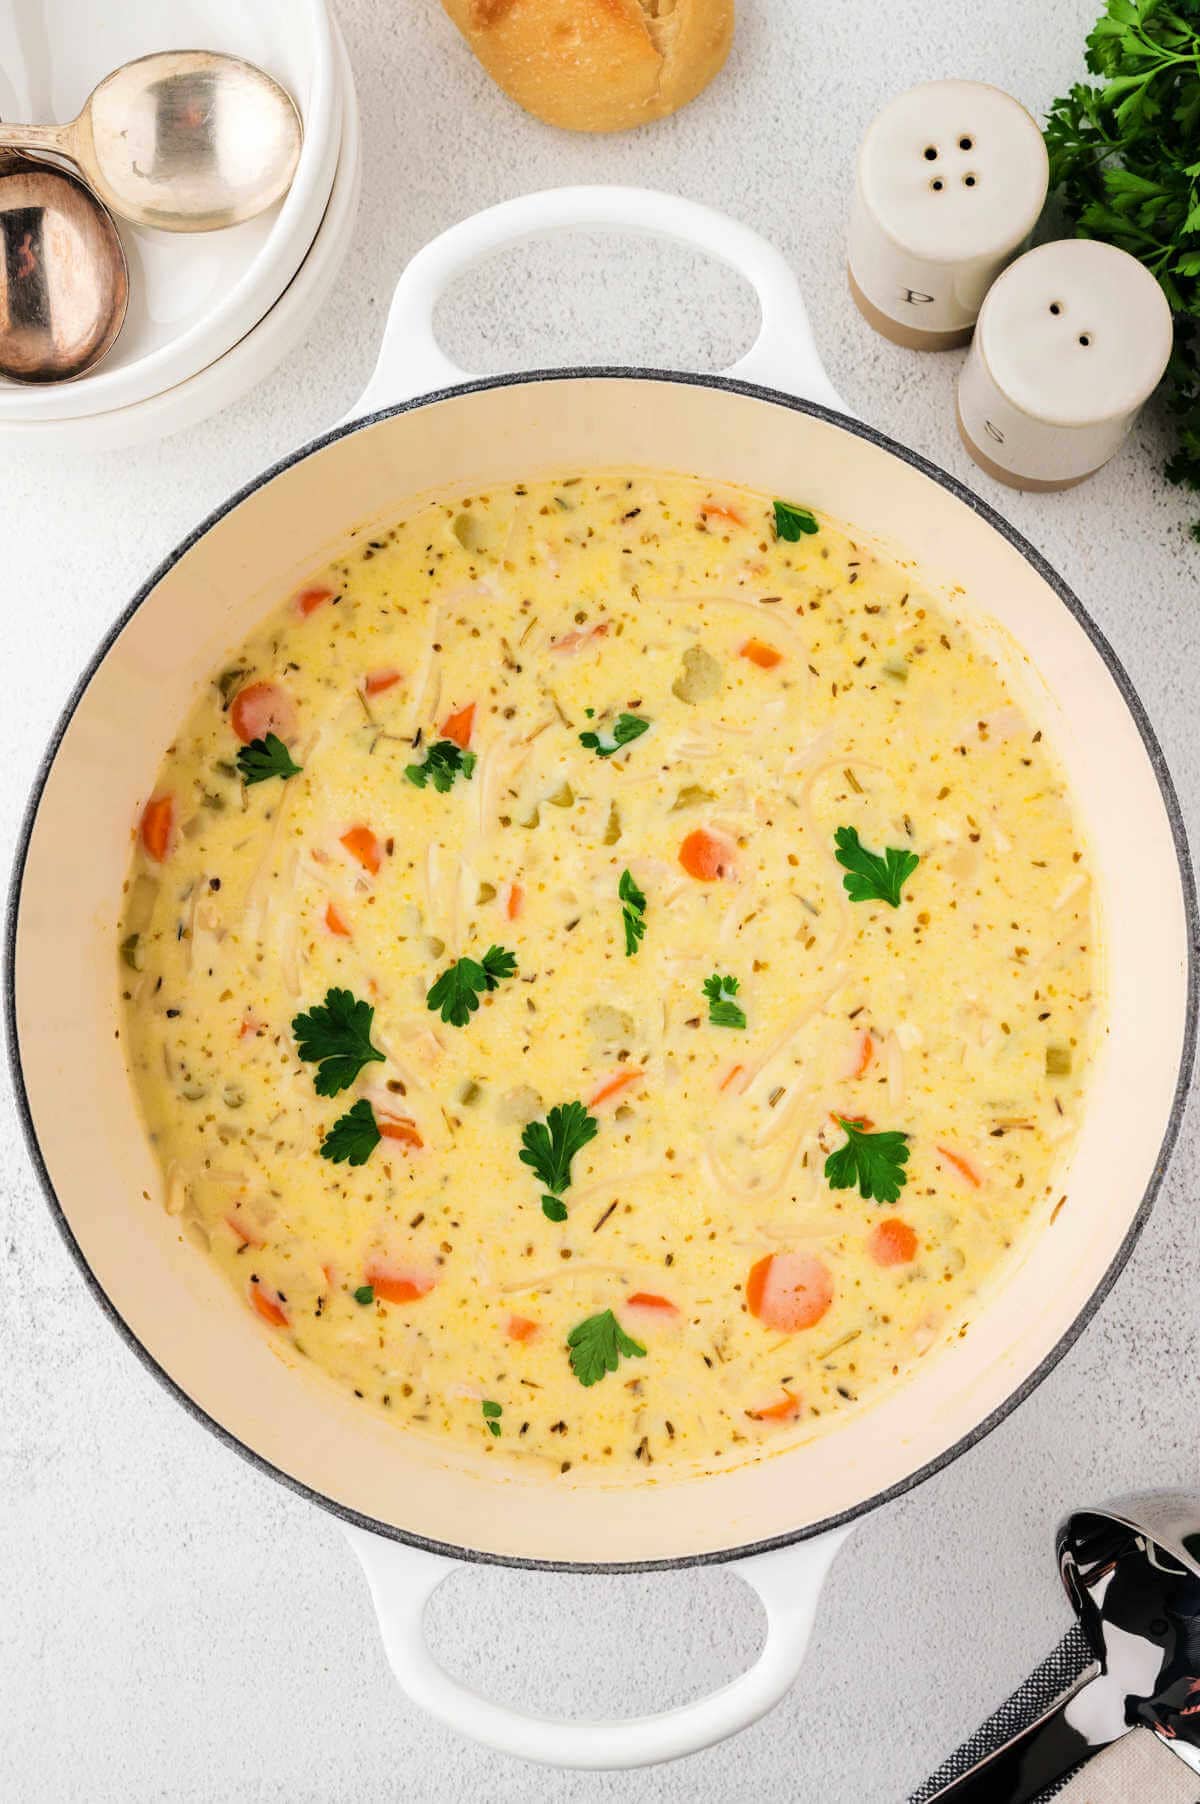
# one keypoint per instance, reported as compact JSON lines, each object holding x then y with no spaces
{"x":734,"y":840}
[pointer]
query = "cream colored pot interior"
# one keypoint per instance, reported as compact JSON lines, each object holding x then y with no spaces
{"x":83,"y":1111}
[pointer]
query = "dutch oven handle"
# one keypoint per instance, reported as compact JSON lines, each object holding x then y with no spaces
{"x":788,"y":1581}
{"x":411,"y":362}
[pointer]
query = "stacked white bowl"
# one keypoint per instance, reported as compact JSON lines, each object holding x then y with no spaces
{"x":210,"y":313}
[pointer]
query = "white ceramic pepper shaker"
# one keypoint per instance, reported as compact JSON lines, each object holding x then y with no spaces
{"x":1071,"y":340}
{"x":951,"y":180}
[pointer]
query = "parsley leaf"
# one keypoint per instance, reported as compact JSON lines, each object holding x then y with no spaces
{"x":791,"y":523}
{"x":443,"y":762}
{"x":597,"y":1345}
{"x":351,"y":1141}
{"x":336,"y":1034}
{"x":875,"y":1162}
{"x":722,"y":1010}
{"x":1123,"y":165}
{"x":457,"y":991}
{"x":266,"y":758}
{"x":365,"y":1294}
{"x":872,"y":878}
{"x":549,"y":1146}
{"x":633,"y":912}
{"x":625,"y":728}
{"x":491,"y":1415}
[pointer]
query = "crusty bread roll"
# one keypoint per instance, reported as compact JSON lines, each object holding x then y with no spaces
{"x":598,"y":65}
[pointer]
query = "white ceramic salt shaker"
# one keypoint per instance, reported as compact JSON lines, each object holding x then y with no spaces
{"x":951,"y":180}
{"x":1071,"y":340}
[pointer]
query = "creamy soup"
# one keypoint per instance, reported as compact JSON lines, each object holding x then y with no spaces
{"x":610,"y":972}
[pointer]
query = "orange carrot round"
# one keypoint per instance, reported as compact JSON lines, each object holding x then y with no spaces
{"x":307,"y":601}
{"x":336,"y":921}
{"x":398,"y":1127}
{"x":789,"y":1291}
{"x":362,"y":844}
{"x":649,"y":1299}
{"x":611,"y":1086}
{"x":786,"y":1410}
{"x":520,"y":1328}
{"x":715,"y":511}
{"x":892,"y":1242}
{"x":397,"y":1287}
{"x":964,"y":1166}
{"x":376,"y":681}
{"x":760,"y":653}
{"x":262,"y":708}
{"x":516,"y":901}
{"x":458,"y":726}
{"x":706,"y":856}
{"x":268,"y":1306}
{"x":158,"y":820}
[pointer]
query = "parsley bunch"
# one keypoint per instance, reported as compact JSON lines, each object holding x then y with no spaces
{"x":597,"y":1346}
{"x":792,"y":523}
{"x":1125,"y":161}
{"x":872,"y":877}
{"x":633,"y":912}
{"x":723,"y":1011}
{"x":266,"y":758}
{"x":336,"y":1036}
{"x":626,"y":728}
{"x":457,"y":991}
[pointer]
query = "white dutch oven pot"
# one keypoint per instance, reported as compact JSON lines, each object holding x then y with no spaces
{"x":412,"y":1507}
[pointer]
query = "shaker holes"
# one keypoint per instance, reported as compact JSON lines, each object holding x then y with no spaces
{"x":931,"y":153}
{"x":1084,"y":339}
{"x":969,"y":181}
{"x":937,"y":184}
{"x":1056,"y":306}
{"x":966,"y":143}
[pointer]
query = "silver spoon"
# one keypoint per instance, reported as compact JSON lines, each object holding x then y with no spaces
{"x":64,"y":285}
{"x":1132,"y":1571}
{"x":185,"y":140}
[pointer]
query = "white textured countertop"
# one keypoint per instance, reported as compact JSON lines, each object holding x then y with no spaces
{"x":177,"y":1626}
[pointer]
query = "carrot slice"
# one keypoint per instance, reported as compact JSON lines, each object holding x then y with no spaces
{"x":786,"y":1410}
{"x":158,"y":819}
{"x":964,"y":1166}
{"x":376,"y":681}
{"x":240,"y":1233}
{"x":267,"y":1306}
{"x":397,"y":1287}
{"x":582,"y":636}
{"x":760,"y":653}
{"x":362,"y":844}
{"x":398,"y":1127}
{"x":729,"y":1076}
{"x":307,"y":601}
{"x":458,"y":726}
{"x":521,"y":1328}
{"x":892,"y":1242}
{"x":336,"y":921}
{"x":262,"y":708}
{"x":649,"y":1299}
{"x":611,"y":1085}
{"x":713,"y":510}
{"x":516,"y":901}
{"x":866,"y":1052}
{"x":706,"y":856}
{"x":789,"y":1291}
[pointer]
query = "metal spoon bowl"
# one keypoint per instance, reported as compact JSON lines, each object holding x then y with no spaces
{"x":1132,"y":1571}
{"x":64,"y":285}
{"x":185,"y":140}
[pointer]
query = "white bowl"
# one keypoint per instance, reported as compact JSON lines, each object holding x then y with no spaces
{"x":193,"y":295}
{"x":255,"y":355}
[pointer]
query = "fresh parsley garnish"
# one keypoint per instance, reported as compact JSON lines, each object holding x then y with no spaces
{"x":1123,"y":159}
{"x":723,"y":1011}
{"x":443,"y":762}
{"x":365,"y":1293}
{"x":457,"y":991}
{"x":351,"y":1141}
{"x":597,"y":1345}
{"x":266,"y":758}
{"x":491,"y":1415}
{"x":336,"y":1034}
{"x":633,"y":912}
{"x":791,"y":523}
{"x":875,"y":1162}
{"x":625,"y":728}
{"x":549,"y":1146}
{"x":871,"y":878}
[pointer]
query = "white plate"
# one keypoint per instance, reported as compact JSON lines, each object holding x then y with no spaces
{"x":192,"y":295}
{"x":256,"y":355}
